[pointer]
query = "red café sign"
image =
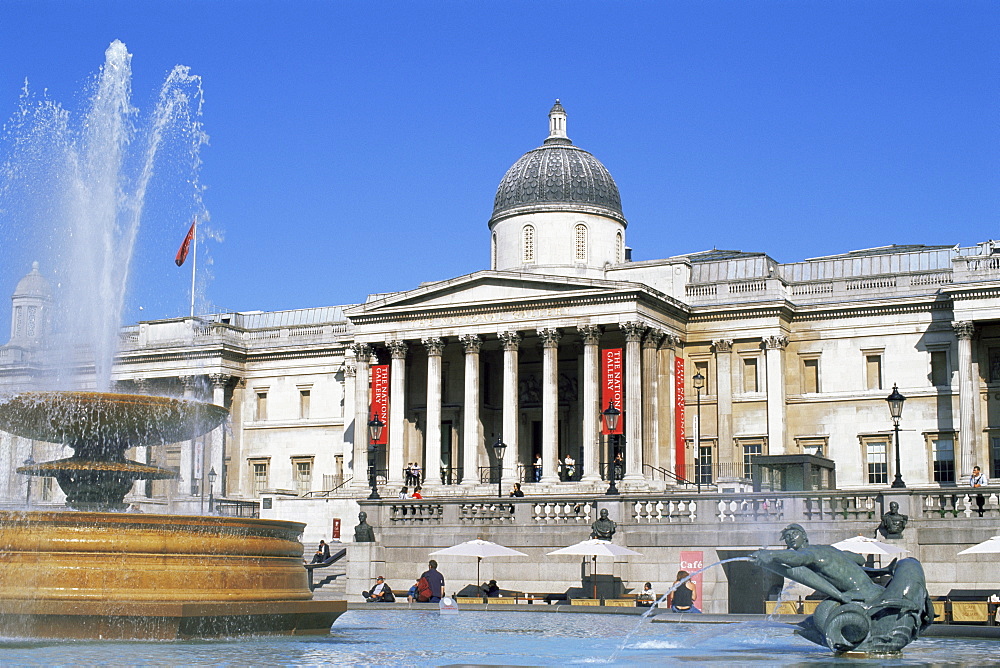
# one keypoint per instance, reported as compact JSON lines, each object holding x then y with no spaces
{"x":612,"y":392}
{"x":380,"y":399}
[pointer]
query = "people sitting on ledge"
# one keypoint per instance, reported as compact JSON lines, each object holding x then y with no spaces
{"x":380,"y":593}
{"x":491,"y":588}
{"x":322,"y":553}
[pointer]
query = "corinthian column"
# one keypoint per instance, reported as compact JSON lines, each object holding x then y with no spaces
{"x":397,"y":409}
{"x":472,"y":436}
{"x":650,"y":395}
{"x":550,"y":403}
{"x":347,"y":435}
{"x":591,"y":407}
{"x":511,"y":342}
{"x":774,"y":361}
{"x":967,"y":393}
{"x":432,"y":445}
{"x":361,"y":375}
{"x":633,"y":400}
{"x":189,"y":455}
{"x":669,"y":459}
{"x":217,"y":453}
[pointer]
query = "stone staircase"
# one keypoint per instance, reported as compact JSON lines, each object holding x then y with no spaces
{"x":331,"y":582}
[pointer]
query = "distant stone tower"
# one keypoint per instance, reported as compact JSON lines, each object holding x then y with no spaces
{"x":557,"y":210}
{"x":30,"y":312}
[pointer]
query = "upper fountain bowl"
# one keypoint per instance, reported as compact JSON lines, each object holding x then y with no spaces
{"x":106,"y":422}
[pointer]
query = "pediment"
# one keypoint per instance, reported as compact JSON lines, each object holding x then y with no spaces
{"x":490,"y":287}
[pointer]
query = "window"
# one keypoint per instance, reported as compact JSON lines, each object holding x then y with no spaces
{"x":48,"y":489}
{"x":994,"y":365}
{"x":259,"y":468}
{"x":873,"y":371}
{"x":304,"y":399}
{"x":619,"y":248}
{"x":751,"y":449}
{"x":702,"y":368}
{"x":302,"y":468}
{"x":704,"y":471}
{"x":750,"y":383}
{"x":810,"y":375}
{"x":528,"y":245}
{"x":995,"y":457}
{"x":260,"y":409}
{"x":940,"y":375}
{"x":943,"y":451}
{"x":876,"y":458}
{"x":812,"y":445}
{"x":19,"y":319}
{"x":580,"y":241}
{"x":493,"y":251}
{"x":32,"y":316}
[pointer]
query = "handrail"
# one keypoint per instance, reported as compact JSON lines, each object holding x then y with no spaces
{"x":335,"y":557}
{"x":324,"y":493}
{"x":671,"y":475}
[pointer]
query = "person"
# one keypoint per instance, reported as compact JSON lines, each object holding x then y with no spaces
{"x":416,"y":473}
{"x":646,"y":597}
{"x":893,"y":522}
{"x":603,"y":528}
{"x":408,"y":473}
{"x":570,"y":467}
{"x":363,"y":533}
{"x":977,"y":479}
{"x":619,"y":465}
{"x":682,"y":599}
{"x":416,"y":493}
{"x":411,"y":595}
{"x":538,"y":467}
{"x":516,"y":492}
{"x":435,"y":580}
{"x":404,"y":492}
{"x":826,"y":569}
{"x":491,"y":588}
{"x":322,"y":553}
{"x":380,"y":593}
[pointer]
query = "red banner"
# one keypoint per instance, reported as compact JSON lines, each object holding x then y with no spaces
{"x":680,"y":461}
{"x":612,"y":392}
{"x":380,"y":399}
{"x":691,"y":562}
{"x":182,"y":252}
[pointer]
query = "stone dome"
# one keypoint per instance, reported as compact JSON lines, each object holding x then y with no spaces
{"x":33,"y":285}
{"x":557,"y":176}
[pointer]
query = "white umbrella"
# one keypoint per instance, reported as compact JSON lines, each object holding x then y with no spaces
{"x":987,"y":546}
{"x":865,"y":545}
{"x":595,"y":548}
{"x":478,"y":548}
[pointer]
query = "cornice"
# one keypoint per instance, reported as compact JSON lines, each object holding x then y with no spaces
{"x":870,"y":310}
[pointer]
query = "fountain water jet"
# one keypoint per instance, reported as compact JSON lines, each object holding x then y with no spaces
{"x":91,"y":573}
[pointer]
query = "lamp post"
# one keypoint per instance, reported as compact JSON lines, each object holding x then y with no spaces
{"x":30,"y":461}
{"x":895,"y":401}
{"x":699,"y":385}
{"x":499,"y":448}
{"x":375,"y":426}
{"x":212,"y":475}
{"x":611,"y":415}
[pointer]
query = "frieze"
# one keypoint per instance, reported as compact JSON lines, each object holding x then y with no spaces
{"x":491,"y":317}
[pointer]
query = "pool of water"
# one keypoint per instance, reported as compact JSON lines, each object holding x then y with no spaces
{"x":412,"y":638}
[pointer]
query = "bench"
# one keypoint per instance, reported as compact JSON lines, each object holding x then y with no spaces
{"x":786,"y":607}
{"x":620,"y":602}
{"x":585,"y":601}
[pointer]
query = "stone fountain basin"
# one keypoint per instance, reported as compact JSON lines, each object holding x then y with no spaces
{"x":106,"y":422}
{"x":135,"y":575}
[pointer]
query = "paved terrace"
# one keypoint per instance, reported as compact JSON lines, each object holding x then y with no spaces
{"x":942,"y":523}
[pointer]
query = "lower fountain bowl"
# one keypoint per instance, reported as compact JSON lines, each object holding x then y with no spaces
{"x":124,"y":575}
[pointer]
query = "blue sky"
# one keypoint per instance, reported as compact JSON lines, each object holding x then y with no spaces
{"x":356,"y":147}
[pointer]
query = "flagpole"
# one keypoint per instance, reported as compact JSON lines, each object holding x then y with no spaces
{"x":194,"y":262}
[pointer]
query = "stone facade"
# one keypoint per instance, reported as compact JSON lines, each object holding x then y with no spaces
{"x":797,"y":358}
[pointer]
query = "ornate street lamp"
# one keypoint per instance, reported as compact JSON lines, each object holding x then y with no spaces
{"x":212,"y":475}
{"x":499,"y":448}
{"x":30,"y":461}
{"x":611,"y":415}
{"x":699,"y":384}
{"x":895,"y":401}
{"x":375,"y":426}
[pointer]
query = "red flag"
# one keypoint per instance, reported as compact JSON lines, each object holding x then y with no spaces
{"x":182,"y":253}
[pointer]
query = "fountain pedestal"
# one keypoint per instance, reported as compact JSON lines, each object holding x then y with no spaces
{"x":119,"y":575}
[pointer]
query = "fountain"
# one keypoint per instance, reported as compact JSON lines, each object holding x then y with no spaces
{"x":94,"y":571}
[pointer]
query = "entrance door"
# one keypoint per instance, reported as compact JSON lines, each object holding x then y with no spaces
{"x":749,"y":585}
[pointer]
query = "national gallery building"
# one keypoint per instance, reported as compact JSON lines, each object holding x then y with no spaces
{"x":726,"y":356}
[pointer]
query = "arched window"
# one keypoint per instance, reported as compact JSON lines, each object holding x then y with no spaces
{"x":528,"y":245}
{"x":580,"y":242}
{"x":493,"y":251}
{"x":619,"y":248}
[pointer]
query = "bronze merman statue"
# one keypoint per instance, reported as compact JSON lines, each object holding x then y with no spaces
{"x":858,"y":615}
